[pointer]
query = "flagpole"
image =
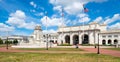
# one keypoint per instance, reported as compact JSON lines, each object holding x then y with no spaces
{"x":46,"y":33}
{"x":83,"y":25}
{"x":62,"y":25}
{"x":84,"y":10}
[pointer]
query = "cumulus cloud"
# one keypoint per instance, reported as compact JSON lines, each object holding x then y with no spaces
{"x":33,"y":4}
{"x":98,"y":19}
{"x":115,"y":26}
{"x":57,"y":8}
{"x":4,"y":27}
{"x":84,"y":19}
{"x":53,"y":21}
{"x":18,"y":19}
{"x":82,"y":15}
{"x":113,"y":19}
{"x":72,"y":7}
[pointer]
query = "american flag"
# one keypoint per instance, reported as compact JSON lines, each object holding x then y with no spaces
{"x":62,"y":12}
{"x":85,"y":9}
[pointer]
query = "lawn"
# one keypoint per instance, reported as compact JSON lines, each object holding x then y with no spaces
{"x":4,"y":45}
{"x":55,"y":57}
{"x":51,"y":49}
{"x":117,"y":49}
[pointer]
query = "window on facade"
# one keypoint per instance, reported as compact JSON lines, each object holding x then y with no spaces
{"x":109,"y":36}
{"x":109,"y":41}
{"x":115,"y":35}
{"x":103,"y":36}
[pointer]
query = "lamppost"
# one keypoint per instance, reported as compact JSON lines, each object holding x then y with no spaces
{"x":50,"y":41}
{"x":7,"y":41}
{"x":94,"y":39}
{"x":47,"y":36}
{"x":98,"y":50}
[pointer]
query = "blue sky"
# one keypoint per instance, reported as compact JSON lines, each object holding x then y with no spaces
{"x":19,"y":17}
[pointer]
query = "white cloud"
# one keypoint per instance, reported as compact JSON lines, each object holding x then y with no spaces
{"x":33,"y":4}
{"x":82,"y":15}
{"x":113,"y":19}
{"x":72,"y":7}
{"x":4,"y":27}
{"x":74,"y":22}
{"x":84,"y":19}
{"x":59,"y":8}
{"x":53,"y":21}
{"x":18,"y":19}
{"x":49,"y":31}
{"x":40,"y":14}
{"x":98,"y":19}
{"x":115,"y":26}
{"x":30,"y":25}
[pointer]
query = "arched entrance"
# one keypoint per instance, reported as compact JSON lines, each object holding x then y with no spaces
{"x":67,"y":39}
{"x":85,"y":39}
{"x":115,"y":41}
{"x":109,"y":41}
{"x":75,"y":39}
{"x":103,"y":42}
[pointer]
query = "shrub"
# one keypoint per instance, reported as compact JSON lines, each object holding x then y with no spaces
{"x":66,"y":44}
{"x":1,"y":41}
{"x":15,"y":41}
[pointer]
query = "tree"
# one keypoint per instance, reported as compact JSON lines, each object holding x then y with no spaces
{"x":1,"y":41}
{"x":9,"y":42}
{"x":6,"y":41}
{"x":15,"y":41}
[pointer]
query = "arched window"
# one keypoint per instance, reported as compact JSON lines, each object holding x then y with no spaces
{"x":67,"y":39}
{"x":85,"y":39}
{"x":109,"y":41}
{"x":103,"y":42}
{"x":75,"y":39}
{"x":115,"y":41}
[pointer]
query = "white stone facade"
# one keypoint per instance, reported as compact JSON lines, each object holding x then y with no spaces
{"x":38,"y":39}
{"x":87,"y":34}
{"x":110,"y":37}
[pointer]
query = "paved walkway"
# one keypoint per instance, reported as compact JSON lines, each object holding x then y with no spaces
{"x":87,"y":50}
{"x":3,"y":49}
{"x":103,"y":51}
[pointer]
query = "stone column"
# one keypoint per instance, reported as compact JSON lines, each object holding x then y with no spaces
{"x":91,"y":38}
{"x":106,"y":41}
{"x":80,"y":38}
{"x":71,"y":39}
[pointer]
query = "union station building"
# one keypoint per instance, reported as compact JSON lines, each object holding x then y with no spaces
{"x":88,"y":34}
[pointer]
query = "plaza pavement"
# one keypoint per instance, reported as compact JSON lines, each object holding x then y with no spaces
{"x":87,"y":49}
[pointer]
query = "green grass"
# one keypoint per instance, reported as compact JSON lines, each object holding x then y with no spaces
{"x":51,"y":49}
{"x":65,"y":44}
{"x":55,"y":57}
{"x":117,"y":49}
{"x":3,"y":45}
